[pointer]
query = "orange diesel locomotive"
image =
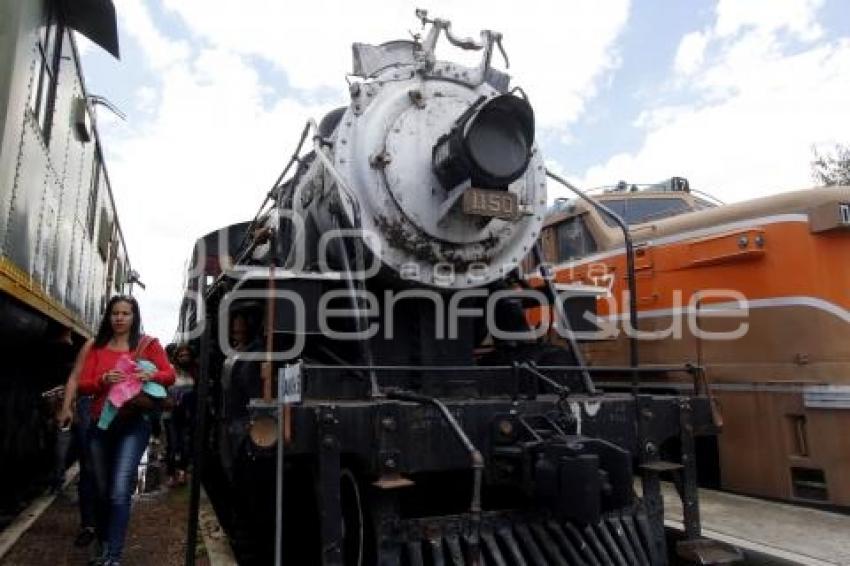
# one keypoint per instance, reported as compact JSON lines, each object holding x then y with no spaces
{"x":757,"y":292}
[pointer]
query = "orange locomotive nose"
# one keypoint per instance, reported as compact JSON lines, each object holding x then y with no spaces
{"x":784,"y":256}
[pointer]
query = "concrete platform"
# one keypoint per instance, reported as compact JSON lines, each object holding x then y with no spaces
{"x":768,"y":532}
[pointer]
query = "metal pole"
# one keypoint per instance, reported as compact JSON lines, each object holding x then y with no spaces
{"x":200,"y":432}
{"x":278,"y":533}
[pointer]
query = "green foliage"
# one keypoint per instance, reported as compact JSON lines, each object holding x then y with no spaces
{"x":832,"y":168}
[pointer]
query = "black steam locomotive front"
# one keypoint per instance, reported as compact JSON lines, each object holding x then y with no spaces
{"x":402,"y":410}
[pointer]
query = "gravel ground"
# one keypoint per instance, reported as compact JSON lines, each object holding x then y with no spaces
{"x":156,"y":537}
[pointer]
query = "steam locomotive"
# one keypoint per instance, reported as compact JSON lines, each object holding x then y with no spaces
{"x":417,"y":416}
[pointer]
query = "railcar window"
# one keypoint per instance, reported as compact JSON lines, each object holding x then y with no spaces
{"x":105,"y":234}
{"x":95,"y":185}
{"x":119,"y":273}
{"x":639,"y":210}
{"x":48,"y":57}
{"x":574,"y":239}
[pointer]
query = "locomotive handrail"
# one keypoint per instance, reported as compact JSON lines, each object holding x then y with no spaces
{"x":337,"y":176}
{"x":276,"y":184}
{"x":343,"y":188}
{"x":634,"y":358}
{"x":687,"y":368}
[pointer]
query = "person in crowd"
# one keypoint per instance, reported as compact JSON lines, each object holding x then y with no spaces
{"x":75,"y":414}
{"x":245,"y":381}
{"x":169,"y":351}
{"x":163,"y":421}
{"x":117,"y":448}
{"x":241,"y":382}
{"x":178,"y":421}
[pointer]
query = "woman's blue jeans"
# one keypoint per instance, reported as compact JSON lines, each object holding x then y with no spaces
{"x":115,"y":456}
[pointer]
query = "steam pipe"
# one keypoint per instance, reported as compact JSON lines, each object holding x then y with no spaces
{"x":634,"y":358}
{"x":475,"y":456}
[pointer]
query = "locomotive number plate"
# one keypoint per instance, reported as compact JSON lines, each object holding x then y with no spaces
{"x":488,"y":202}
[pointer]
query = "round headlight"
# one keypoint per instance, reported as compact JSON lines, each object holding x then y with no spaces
{"x":490,"y":144}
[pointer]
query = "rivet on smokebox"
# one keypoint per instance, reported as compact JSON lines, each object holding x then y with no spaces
{"x":380,"y":160}
{"x":388,"y":423}
{"x":416,"y":98}
{"x":328,"y":441}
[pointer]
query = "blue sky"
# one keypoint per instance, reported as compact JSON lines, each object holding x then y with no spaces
{"x":731,"y":94}
{"x":647,"y":48}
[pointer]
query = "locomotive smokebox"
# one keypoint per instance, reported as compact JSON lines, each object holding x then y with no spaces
{"x":489,"y":144}
{"x":440,"y":163}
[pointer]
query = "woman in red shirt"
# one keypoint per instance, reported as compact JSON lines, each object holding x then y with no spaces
{"x":116,"y":451}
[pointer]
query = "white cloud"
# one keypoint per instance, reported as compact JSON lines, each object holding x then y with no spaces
{"x":204,"y":159}
{"x":84,"y":44}
{"x":146,"y":98}
{"x":753,"y":110}
{"x":797,"y":17}
{"x":558,"y":50}
{"x":691,"y":52}
{"x":160,"y":50}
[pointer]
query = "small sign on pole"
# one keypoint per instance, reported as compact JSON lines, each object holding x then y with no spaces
{"x":289,"y":380}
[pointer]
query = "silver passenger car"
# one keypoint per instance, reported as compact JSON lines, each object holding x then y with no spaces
{"x":62,"y":253}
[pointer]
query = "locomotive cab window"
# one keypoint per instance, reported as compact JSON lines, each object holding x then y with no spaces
{"x":640,"y":210}
{"x":573,"y":239}
{"x":48,"y":57}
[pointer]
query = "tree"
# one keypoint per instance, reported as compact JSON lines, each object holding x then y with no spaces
{"x":832,"y":167}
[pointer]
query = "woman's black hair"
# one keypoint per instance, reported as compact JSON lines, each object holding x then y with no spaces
{"x":170,"y":349}
{"x":184,"y":346}
{"x":105,"y":333}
